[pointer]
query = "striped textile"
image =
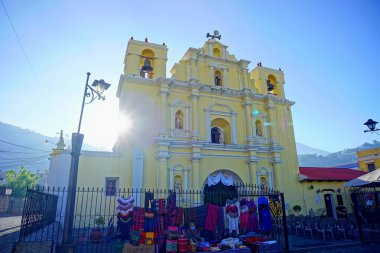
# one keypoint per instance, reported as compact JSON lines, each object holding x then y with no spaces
{"x":138,"y":219}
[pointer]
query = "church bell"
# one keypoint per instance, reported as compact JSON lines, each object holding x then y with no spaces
{"x":146,"y":67}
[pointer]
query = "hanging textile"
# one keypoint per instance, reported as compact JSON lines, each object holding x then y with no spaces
{"x":226,"y":180}
{"x":212,"y":217}
{"x":253,"y":224}
{"x":264,"y":214}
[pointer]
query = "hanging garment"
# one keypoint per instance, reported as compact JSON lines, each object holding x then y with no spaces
{"x":264,"y":215}
{"x":148,"y":203}
{"x":233,"y":218}
{"x":244,"y":216}
{"x":253,"y":224}
{"x":171,"y":209}
{"x":201,"y":214}
{"x":138,"y":219}
{"x":179,"y":218}
{"x":212,"y":217}
{"x":124,"y":227}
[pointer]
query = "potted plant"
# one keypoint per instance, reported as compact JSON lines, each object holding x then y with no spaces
{"x":82,"y":236}
{"x":297,"y":209}
{"x":96,"y":233}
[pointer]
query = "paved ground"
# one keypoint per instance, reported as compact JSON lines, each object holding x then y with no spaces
{"x":300,"y":244}
{"x":9,"y":231}
{"x":9,"y":224}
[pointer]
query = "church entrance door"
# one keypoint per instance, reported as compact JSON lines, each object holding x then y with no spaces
{"x":219,"y":193}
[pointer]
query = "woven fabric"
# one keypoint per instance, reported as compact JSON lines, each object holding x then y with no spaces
{"x":161,"y":206}
{"x":179,"y":217}
{"x":201,"y":216}
{"x":212,"y":217}
{"x":138,"y":219}
{"x":171,"y":246}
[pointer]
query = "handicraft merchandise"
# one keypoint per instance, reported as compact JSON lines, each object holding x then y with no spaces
{"x":160,"y":223}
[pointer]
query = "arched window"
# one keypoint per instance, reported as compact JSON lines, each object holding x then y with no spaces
{"x":216,"y":52}
{"x":218,"y":78}
{"x":259,"y":128}
{"x":215,"y":135}
{"x":178,"y":183}
{"x":263,"y":182}
{"x":147,"y":63}
{"x":179,"y":120}
{"x":271,"y":85}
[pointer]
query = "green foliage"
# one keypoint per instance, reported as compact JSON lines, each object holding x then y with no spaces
{"x":20,"y":181}
{"x":297,"y":208}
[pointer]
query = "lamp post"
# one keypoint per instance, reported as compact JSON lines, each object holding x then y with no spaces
{"x":76,"y":143}
{"x":371,"y":124}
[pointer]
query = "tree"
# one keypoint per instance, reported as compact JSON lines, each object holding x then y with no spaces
{"x":19,"y":182}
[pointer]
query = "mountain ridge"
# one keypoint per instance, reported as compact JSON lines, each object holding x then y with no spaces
{"x":28,"y":148}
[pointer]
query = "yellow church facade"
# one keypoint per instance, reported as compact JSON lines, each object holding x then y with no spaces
{"x":212,"y":116}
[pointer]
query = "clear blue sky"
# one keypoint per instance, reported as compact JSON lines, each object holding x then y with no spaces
{"x":329,"y":51}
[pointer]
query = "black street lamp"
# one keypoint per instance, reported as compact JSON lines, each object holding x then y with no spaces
{"x":76,"y":143}
{"x":371,"y":124}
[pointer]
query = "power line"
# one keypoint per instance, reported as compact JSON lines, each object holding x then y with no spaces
{"x":19,"y":41}
{"x":21,"y":158}
{"x":24,"y":146}
{"x":15,"y":152}
{"x":22,"y":164}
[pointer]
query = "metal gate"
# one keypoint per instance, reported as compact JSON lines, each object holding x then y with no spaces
{"x":367,"y":209}
{"x":43,"y":215}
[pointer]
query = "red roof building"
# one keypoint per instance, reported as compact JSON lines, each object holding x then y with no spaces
{"x":328,"y":174}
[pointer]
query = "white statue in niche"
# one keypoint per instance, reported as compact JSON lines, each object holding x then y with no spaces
{"x":178,"y":184}
{"x":259,"y":128}
{"x":221,"y":136}
{"x":179,"y":120}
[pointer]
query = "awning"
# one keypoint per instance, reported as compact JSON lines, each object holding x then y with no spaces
{"x":371,"y":179}
{"x":227,"y":180}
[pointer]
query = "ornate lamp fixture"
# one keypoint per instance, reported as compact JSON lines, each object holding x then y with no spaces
{"x":371,"y":124}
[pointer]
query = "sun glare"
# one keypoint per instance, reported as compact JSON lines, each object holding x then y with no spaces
{"x":124,"y":124}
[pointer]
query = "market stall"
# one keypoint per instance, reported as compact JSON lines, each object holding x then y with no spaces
{"x":161,"y":226}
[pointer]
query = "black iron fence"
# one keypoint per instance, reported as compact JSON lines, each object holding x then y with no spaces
{"x":366,"y":206}
{"x":96,"y":227}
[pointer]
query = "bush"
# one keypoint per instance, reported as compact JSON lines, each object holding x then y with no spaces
{"x":297,"y":209}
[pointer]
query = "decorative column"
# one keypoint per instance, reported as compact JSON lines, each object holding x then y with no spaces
{"x":258,"y":174}
{"x":185,"y":183}
{"x":234,"y":137}
{"x":212,"y":78}
{"x":194,"y":70}
{"x":171,"y":178}
{"x":188,"y":71}
{"x":272,"y":122}
{"x":252,"y":172}
{"x":194,"y":114}
{"x":208,"y":127}
{"x":162,"y":176}
{"x":270,"y":180}
{"x":248,"y":121}
{"x":195,"y":171}
{"x":240,"y":81}
{"x":244,"y":72}
{"x":225,"y":80}
{"x":163,"y":110}
{"x":277,"y":177}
